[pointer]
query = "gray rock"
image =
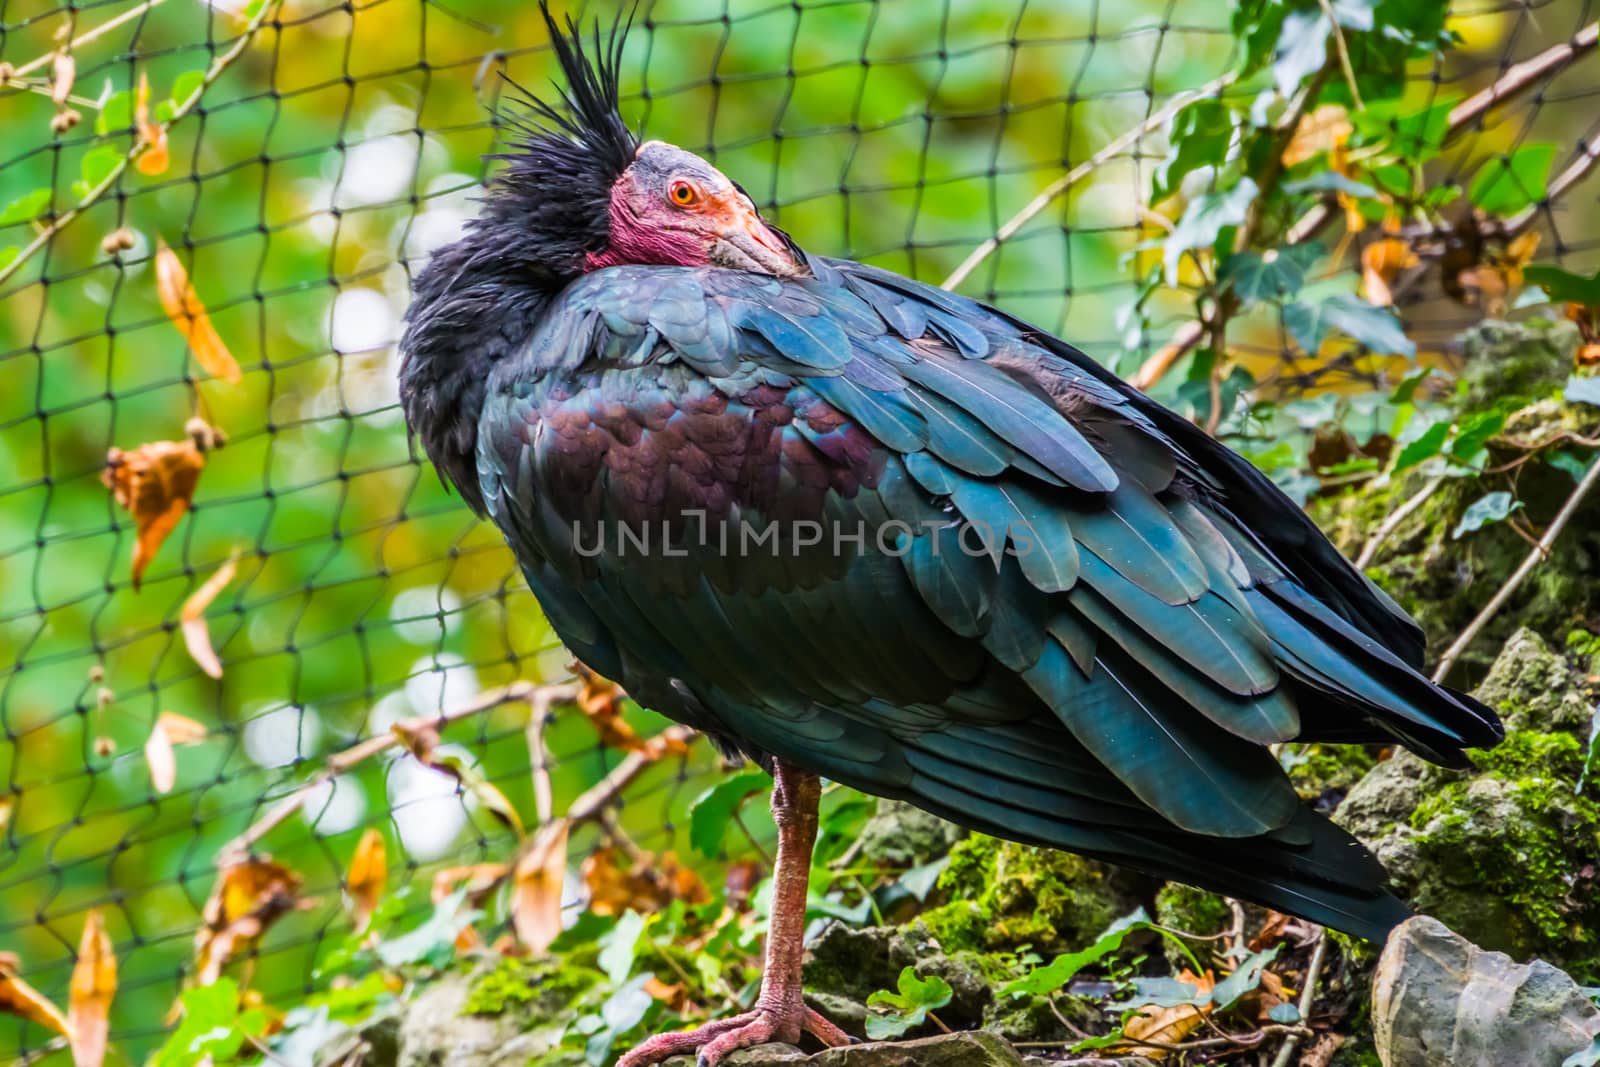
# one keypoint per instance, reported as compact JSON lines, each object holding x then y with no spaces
{"x":434,"y":1033}
{"x":1440,"y":1001}
{"x":900,"y":835}
{"x":1523,"y":360}
{"x":970,"y":1048}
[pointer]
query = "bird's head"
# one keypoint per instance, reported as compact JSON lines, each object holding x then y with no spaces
{"x":581,"y":193}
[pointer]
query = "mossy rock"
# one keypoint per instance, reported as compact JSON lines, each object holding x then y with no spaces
{"x":1505,"y":854}
{"x":1003,"y":896}
{"x":900,"y":835}
{"x":1517,"y":362}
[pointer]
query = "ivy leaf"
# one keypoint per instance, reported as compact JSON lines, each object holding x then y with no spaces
{"x":1582,"y":391}
{"x":1302,"y":49}
{"x":1276,"y":274}
{"x":1373,"y":327}
{"x":1475,"y":431}
{"x":620,"y":946}
{"x":116,"y":114}
{"x":26,"y":207}
{"x":1053,"y":976}
{"x":1201,"y":134}
{"x":98,"y":163}
{"x":1506,"y":184}
{"x":1490,"y":508}
{"x":1563,"y":460}
{"x":1416,"y":135}
{"x":1426,"y":445}
{"x":1204,"y":220}
{"x":186,"y":84}
{"x":1330,"y":181}
{"x":712,"y":811}
{"x":907,"y":1009}
{"x":1246,"y":976}
{"x":1565,"y":287}
{"x":1287,"y":1014}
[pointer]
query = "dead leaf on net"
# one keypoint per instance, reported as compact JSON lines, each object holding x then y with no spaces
{"x":368,"y":876}
{"x":1321,"y":130}
{"x":196,"y":634}
{"x":480,"y":880}
{"x":21,"y":999}
{"x":63,"y":72}
{"x":247,"y":898}
{"x":536,"y":886}
{"x":153,"y":160}
{"x":1169,"y":1026}
{"x":171,"y":729}
{"x":155,"y":484}
{"x":601,"y":701}
{"x":94,"y":984}
{"x":1381,"y":263}
{"x":1490,"y":283}
{"x":182,"y":305}
{"x":646,"y":885}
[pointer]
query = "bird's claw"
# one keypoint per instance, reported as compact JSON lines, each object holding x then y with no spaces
{"x":717,"y":1039}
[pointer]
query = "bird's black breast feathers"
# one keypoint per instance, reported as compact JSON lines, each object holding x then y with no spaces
{"x":1040,"y":604}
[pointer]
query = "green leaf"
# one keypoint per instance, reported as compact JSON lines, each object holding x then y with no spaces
{"x":1201,"y":134}
{"x":1560,"y":459}
{"x":1506,"y":184}
{"x":1302,"y":49}
{"x":1408,"y":385}
{"x":1589,"y":753}
{"x":1277,"y":274}
{"x":1375,"y":328}
{"x":8,"y":255}
{"x":1582,"y":390}
{"x":1042,"y":981}
{"x":620,"y":946}
{"x":1287,"y":1014}
{"x":1474,"y":432}
{"x":184,"y":86}
{"x":212,"y":1027}
{"x":1426,"y":445}
{"x":1490,"y":508}
{"x":1355,"y":14}
{"x":1330,"y":181}
{"x":897,"y":1013}
{"x":26,"y":208}
{"x":1204,"y":220}
{"x":434,"y":940}
{"x":1565,"y":287}
{"x":1417,"y":135}
{"x":1246,"y":976}
{"x":712,"y":811}
{"x":98,"y":163}
{"x":116,"y":114}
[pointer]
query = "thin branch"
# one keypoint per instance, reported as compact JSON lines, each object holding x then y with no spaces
{"x":1540,"y":552}
{"x":140,"y":144}
{"x":1399,"y":515}
{"x":1056,"y":188}
{"x":540,"y":704}
{"x":84,"y":38}
{"x":342,"y":762}
{"x":604,"y":793}
{"x":1308,"y":996}
{"x":1521,"y":76}
{"x":1344,"y":55}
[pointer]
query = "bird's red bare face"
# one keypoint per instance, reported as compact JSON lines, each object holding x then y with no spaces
{"x":672,"y":208}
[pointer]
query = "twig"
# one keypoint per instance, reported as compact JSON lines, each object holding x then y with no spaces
{"x":1054,"y":190}
{"x":84,"y":38}
{"x":1344,"y":55}
{"x":540,"y":703}
{"x":1514,"y":81}
{"x":141,"y":144}
{"x":238,"y":849}
{"x":1399,"y":515}
{"x":1247,"y":1040}
{"x":604,"y":792}
{"x":1308,"y":996}
{"x":1540,"y":552}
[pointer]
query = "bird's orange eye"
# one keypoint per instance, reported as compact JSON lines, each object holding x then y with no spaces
{"x":682,"y":193}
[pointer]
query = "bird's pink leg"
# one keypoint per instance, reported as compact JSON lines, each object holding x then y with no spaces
{"x":780,"y":1013}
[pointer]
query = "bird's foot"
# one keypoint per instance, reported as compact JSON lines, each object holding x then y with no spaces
{"x":715,"y":1040}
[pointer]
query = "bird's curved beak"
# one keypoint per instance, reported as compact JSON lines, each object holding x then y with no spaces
{"x":744,"y":241}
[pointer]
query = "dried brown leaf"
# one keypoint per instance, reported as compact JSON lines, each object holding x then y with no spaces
{"x":21,"y":999}
{"x":1382,"y":261}
{"x":536,"y":887}
{"x":247,"y":898}
{"x":421,"y":739}
{"x":182,"y":305}
{"x":154,"y":483}
{"x":94,"y":984}
{"x":196,"y":634}
{"x":601,"y":701}
{"x":153,"y":160}
{"x":63,"y":72}
{"x":1169,"y":1025}
{"x":1321,"y":130}
{"x":646,"y":885}
{"x":368,"y":875}
{"x":170,"y":729}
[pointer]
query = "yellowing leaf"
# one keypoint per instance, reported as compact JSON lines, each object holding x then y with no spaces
{"x":170,"y":729}
{"x":196,"y":635}
{"x":19,"y":998}
{"x":647,"y":885}
{"x":1169,"y":1026}
{"x":536,"y":887}
{"x":182,"y":305}
{"x":248,"y":897}
{"x":94,"y":983}
{"x":1381,"y":262}
{"x":154,"y":159}
{"x":155,"y":483}
{"x":368,"y":874}
{"x":1322,"y":130}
